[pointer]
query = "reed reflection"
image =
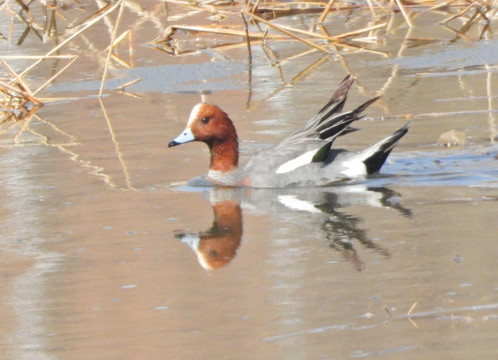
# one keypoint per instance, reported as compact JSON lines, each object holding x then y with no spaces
{"x":321,"y":211}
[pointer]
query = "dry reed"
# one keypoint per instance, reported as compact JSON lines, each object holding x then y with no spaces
{"x":246,"y":32}
{"x":262,"y":23}
{"x":269,"y":12}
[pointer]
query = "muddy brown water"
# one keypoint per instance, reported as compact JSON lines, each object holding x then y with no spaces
{"x":104,"y":246}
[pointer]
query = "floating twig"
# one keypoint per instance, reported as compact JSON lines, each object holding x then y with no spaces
{"x":412,"y":308}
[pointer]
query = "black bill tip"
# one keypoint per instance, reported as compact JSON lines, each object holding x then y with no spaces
{"x":173,"y":143}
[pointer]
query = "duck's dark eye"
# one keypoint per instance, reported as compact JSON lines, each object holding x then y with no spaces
{"x":205,"y":120}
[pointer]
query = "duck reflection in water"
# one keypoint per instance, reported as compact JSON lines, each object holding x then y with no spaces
{"x":217,"y":246}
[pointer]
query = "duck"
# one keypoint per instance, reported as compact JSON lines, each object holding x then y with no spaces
{"x":306,"y":158}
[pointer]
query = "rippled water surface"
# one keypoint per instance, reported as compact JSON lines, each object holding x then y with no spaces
{"x":107,"y":252}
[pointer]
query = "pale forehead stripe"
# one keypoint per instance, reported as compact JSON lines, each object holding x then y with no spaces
{"x":194,"y":114}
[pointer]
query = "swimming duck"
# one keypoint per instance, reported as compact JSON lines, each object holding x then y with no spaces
{"x":304,"y":159}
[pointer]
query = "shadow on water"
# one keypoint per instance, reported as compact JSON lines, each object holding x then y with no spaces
{"x":318,"y":210}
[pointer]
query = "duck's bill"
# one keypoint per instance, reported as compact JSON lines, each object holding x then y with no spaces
{"x":185,"y":137}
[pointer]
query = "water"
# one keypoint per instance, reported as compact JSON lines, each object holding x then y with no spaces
{"x":105,"y":247}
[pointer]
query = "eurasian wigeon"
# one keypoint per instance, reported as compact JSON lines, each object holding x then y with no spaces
{"x":304,"y":159}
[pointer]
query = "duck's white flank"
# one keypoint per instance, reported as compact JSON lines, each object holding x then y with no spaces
{"x":293,"y":164}
{"x":354,"y":168}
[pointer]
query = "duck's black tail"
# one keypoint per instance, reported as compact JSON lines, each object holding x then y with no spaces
{"x":375,"y":156}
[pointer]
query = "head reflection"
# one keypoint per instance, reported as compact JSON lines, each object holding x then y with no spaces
{"x":323,"y":212}
{"x":218,"y":245}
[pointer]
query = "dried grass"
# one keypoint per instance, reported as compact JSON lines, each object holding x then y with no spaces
{"x":19,"y":103}
{"x":268,"y":13}
{"x":247,"y":31}
{"x":257,"y":23}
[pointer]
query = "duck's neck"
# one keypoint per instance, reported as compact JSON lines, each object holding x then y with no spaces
{"x":224,"y":155}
